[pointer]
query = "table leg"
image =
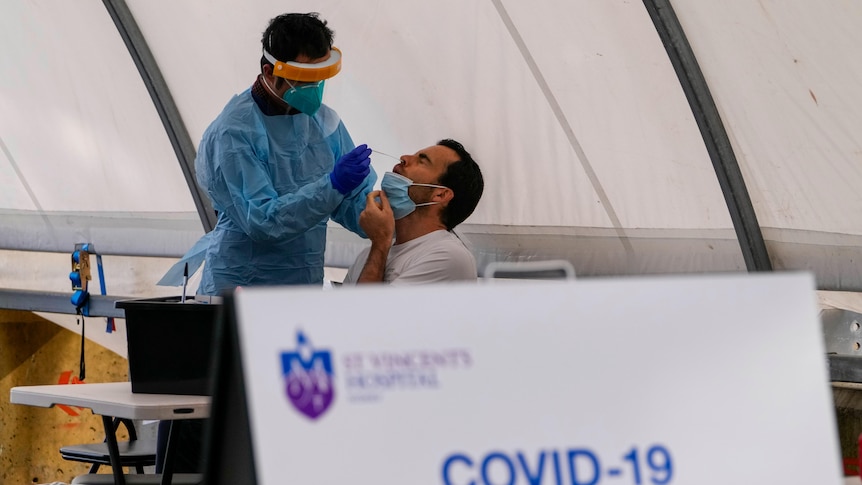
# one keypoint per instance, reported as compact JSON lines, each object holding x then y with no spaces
{"x":113,"y":450}
{"x":170,"y":450}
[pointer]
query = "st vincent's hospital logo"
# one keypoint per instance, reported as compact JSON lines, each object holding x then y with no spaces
{"x":308,"y":379}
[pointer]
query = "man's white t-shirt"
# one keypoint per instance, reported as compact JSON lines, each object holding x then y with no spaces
{"x":435,"y":257}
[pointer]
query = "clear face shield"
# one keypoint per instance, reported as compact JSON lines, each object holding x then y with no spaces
{"x":306,"y":80}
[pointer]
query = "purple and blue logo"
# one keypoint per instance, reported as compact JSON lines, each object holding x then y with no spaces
{"x":308,"y":379}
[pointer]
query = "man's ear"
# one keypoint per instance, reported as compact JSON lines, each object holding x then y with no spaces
{"x":445,"y":195}
{"x":273,"y":80}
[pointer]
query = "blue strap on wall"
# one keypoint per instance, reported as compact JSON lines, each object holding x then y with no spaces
{"x":81,"y":296}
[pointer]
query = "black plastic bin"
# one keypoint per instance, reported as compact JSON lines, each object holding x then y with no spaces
{"x":170,"y":345}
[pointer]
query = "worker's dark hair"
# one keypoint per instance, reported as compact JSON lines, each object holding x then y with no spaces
{"x":465,"y":180}
{"x":293,"y":34}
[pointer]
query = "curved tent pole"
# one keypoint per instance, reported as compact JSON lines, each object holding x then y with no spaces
{"x":714,"y":135}
{"x":164,"y":103}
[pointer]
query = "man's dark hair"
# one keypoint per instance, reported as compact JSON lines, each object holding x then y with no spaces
{"x":465,"y":180}
{"x":293,"y":34}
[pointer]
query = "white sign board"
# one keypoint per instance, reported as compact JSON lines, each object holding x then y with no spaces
{"x":692,"y":380}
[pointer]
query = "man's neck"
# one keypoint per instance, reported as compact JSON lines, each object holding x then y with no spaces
{"x":409,"y":228}
{"x":267,"y":102}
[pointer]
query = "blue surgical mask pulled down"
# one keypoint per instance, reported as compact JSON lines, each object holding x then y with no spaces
{"x":395,"y":187}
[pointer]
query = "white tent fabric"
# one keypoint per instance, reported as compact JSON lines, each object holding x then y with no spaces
{"x":590,"y":149}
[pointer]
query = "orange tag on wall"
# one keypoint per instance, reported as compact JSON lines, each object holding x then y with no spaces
{"x":68,"y":378}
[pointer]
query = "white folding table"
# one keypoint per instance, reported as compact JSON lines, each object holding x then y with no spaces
{"x":116,"y":400}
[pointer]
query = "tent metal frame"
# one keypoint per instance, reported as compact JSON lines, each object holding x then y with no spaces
{"x":670,"y":31}
{"x":714,"y":135}
{"x":164,"y":103}
{"x":58,"y":302}
{"x":679,"y":51}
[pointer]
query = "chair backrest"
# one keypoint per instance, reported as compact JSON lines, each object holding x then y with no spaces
{"x":553,"y":269}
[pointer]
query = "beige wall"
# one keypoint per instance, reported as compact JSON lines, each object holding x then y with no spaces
{"x":34,"y":351}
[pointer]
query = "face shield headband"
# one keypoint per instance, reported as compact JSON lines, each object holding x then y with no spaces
{"x":304,"y":71}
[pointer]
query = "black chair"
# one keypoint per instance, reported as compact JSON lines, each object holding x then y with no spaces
{"x":148,"y":479}
{"x":133,"y":453}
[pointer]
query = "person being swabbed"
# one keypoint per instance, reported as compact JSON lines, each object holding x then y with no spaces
{"x":410,"y":221}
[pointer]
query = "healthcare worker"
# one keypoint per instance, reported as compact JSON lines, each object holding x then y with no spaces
{"x":277,"y":165}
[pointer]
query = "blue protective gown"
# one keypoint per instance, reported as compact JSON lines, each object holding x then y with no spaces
{"x":268,"y":179}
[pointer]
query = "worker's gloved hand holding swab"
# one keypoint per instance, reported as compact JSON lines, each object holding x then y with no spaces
{"x":351,"y":169}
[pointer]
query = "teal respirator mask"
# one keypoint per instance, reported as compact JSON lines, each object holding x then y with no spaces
{"x":307,"y":98}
